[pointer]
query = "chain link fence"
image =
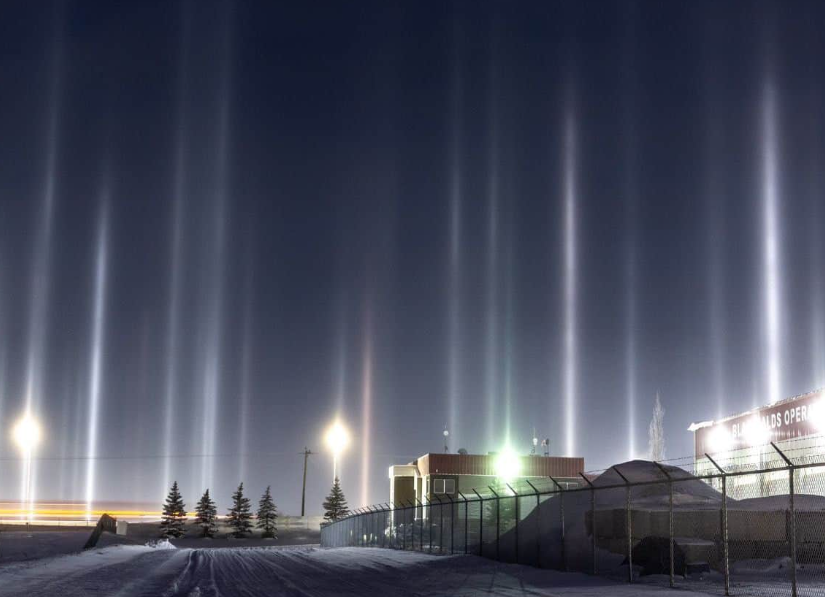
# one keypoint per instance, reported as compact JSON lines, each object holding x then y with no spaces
{"x":750,"y":522}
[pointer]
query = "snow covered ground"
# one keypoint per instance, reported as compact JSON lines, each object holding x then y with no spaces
{"x":132,"y":571}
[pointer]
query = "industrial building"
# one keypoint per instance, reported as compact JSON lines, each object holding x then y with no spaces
{"x":446,"y":476}
{"x":743,"y":440}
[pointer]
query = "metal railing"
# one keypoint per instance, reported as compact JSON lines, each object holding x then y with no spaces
{"x":746,"y":522}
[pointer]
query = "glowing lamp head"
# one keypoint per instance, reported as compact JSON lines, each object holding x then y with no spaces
{"x":507,"y":465}
{"x":26,"y":433}
{"x":337,"y":438}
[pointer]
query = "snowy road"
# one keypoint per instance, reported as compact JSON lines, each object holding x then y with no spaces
{"x":136,"y":571}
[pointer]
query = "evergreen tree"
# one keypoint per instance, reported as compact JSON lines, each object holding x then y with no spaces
{"x":267,"y":514}
{"x":656,"y":432}
{"x":335,"y":506}
{"x":207,"y":515}
{"x":240,"y":515}
{"x":173,"y":518}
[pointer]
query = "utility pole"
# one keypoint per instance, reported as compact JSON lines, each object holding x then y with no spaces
{"x":307,"y":454}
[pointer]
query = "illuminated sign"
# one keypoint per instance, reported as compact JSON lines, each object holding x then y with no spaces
{"x":788,"y":419}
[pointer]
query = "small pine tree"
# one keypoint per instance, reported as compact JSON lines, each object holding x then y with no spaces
{"x":335,"y":506}
{"x":173,"y":518}
{"x":656,"y":432}
{"x":267,"y":515}
{"x":240,"y":515}
{"x":207,"y":515}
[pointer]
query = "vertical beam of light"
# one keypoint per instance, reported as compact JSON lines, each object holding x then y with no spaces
{"x":212,"y":372}
{"x":41,"y":274}
{"x":491,"y":376}
{"x":716,"y":320}
{"x":631,"y":199}
{"x":816,"y":263}
{"x":509,"y":344}
{"x":454,"y":283}
{"x":65,"y":417}
{"x":770,"y":233}
{"x":715,"y":272}
{"x":366,"y":406}
{"x":631,"y":353}
{"x":95,"y":362}
{"x":340,"y":360}
{"x":246,"y":366}
{"x":175,"y":265}
{"x":570,"y":348}
{"x":4,"y":322}
{"x":715,"y":203}
{"x":815,"y":227}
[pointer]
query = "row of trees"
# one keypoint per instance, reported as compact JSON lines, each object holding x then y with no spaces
{"x":239,"y":517}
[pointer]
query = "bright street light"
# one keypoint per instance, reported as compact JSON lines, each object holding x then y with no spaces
{"x":337,"y":440}
{"x":26,"y":433}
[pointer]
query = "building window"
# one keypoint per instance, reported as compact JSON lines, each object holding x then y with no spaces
{"x":443,"y":486}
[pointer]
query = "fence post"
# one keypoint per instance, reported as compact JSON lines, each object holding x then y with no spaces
{"x":480,"y":523}
{"x":725,"y":562}
{"x":670,"y":519}
{"x":429,"y":524}
{"x":498,"y":521}
{"x":371,"y":520}
{"x":452,"y":523}
{"x":356,"y":529}
{"x":394,"y":526}
{"x":592,"y":522}
{"x":466,"y":520}
{"x":791,"y":471}
{"x":517,"y":516}
{"x":440,"y":525}
{"x":368,"y":524}
{"x":563,"y":536}
{"x":406,"y":510}
{"x":385,"y":530}
{"x":538,"y":522}
{"x":420,"y":528}
{"x":629,"y":526}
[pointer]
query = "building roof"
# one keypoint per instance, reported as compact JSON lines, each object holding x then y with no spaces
{"x":485,"y":464}
{"x":758,"y":409}
{"x":795,"y":417}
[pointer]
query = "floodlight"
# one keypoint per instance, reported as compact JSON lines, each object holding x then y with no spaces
{"x":507,"y":465}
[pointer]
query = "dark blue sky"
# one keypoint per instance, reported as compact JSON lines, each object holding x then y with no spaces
{"x":306,"y":208}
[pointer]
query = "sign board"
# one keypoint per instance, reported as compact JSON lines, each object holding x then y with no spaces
{"x":788,"y":419}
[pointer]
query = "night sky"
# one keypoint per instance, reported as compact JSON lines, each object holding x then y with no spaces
{"x":225,"y":223}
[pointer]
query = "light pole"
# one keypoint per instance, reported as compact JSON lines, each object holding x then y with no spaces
{"x":307,"y":454}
